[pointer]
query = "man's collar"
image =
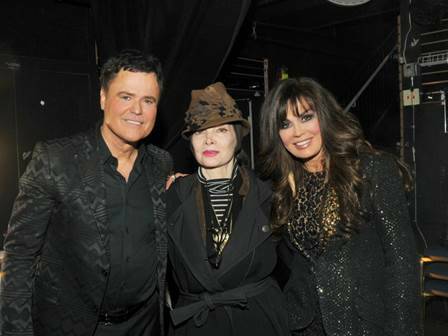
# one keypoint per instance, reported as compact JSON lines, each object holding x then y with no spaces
{"x":106,"y":155}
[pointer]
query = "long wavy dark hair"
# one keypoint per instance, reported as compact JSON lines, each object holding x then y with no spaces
{"x":342,"y":140}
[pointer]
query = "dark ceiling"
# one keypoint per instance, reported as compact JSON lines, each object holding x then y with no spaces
{"x":318,"y":39}
{"x":339,"y":46}
{"x":319,"y":14}
{"x":322,"y":25}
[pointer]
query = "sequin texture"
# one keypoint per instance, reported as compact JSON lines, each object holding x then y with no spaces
{"x":367,"y":284}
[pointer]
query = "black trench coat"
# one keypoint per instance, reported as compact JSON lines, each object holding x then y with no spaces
{"x":239,"y":298}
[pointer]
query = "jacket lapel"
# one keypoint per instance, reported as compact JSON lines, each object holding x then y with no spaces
{"x":92,"y":177}
{"x":251,"y":228}
{"x":156,"y":182}
{"x":157,"y":166}
{"x":185,"y":232}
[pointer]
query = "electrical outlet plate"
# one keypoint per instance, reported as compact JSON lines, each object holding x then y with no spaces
{"x":411,"y":97}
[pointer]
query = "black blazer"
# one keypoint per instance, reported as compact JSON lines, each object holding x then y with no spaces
{"x":57,"y":254}
{"x":369,"y":284}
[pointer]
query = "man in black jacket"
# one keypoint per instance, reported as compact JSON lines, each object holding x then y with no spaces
{"x":85,"y":252}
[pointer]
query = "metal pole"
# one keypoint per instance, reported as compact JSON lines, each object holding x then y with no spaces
{"x":266,"y":76}
{"x":443,"y":99}
{"x":366,"y":84}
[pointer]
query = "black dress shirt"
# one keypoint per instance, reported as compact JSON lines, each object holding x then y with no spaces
{"x":132,"y":238}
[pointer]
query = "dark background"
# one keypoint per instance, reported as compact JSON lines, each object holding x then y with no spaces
{"x":50,"y":53}
{"x":51,"y":50}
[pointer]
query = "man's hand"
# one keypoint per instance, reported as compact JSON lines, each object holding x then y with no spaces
{"x":171,"y":178}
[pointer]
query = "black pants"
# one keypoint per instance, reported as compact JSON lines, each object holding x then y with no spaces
{"x":145,"y":322}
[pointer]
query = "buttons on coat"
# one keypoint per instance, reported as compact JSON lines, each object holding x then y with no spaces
{"x":266,"y":228}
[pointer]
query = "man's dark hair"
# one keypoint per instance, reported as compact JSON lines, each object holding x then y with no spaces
{"x":130,"y":60}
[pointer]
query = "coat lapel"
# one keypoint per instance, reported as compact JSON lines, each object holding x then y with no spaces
{"x":156,"y":182}
{"x":92,"y":177}
{"x":251,"y":228}
{"x":185,"y":232}
{"x":157,"y":166}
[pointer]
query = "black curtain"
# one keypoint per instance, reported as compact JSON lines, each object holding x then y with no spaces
{"x":191,"y":37}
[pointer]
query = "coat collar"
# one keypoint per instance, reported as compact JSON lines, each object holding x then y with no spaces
{"x":251,"y":228}
{"x":184,"y":229}
{"x":88,"y":157}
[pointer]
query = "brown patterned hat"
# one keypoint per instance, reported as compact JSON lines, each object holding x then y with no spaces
{"x":212,"y":107}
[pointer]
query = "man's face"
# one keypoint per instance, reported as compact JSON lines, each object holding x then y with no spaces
{"x":130,"y":107}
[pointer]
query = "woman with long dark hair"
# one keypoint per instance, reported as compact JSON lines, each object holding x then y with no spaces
{"x":348,"y":248}
{"x":221,"y":247}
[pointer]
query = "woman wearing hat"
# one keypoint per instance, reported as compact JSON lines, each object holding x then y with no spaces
{"x":221,"y":247}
